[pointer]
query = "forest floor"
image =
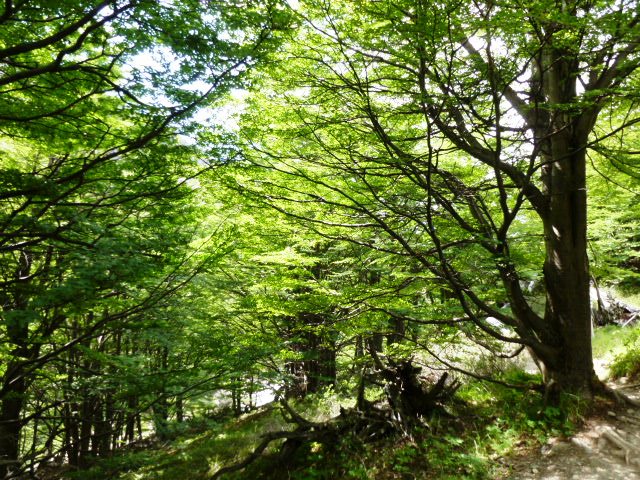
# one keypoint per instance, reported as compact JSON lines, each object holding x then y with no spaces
{"x":606,"y":447}
{"x":496,"y":433}
{"x":585,"y":455}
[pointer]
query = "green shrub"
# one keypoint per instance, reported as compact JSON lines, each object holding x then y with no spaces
{"x":610,"y":340}
{"x":627,"y":364}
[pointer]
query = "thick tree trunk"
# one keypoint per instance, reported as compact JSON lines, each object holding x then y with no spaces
{"x":566,"y":274}
{"x":562,"y":139}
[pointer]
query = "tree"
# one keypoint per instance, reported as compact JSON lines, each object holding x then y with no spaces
{"x":455,"y":129}
{"x":93,"y":96}
{"x":301,"y":306}
{"x":277,"y":298}
{"x":613,"y":210}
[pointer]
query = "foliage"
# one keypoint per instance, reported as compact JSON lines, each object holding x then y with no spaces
{"x":627,"y":363}
{"x":611,"y":340}
{"x":98,"y":223}
{"x":377,"y":136}
{"x":203,"y":200}
{"x":613,"y":212}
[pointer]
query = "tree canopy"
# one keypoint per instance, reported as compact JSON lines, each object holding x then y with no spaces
{"x":96,"y":214}
{"x":208,"y":196}
{"x":460,"y":133}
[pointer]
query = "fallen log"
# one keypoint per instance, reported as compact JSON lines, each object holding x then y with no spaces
{"x":368,"y":426}
{"x":409,"y":396}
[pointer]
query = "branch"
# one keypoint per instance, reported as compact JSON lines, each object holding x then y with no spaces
{"x":56,"y":37}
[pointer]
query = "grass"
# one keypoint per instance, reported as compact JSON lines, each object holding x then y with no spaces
{"x":610,"y":341}
{"x":196,"y":453}
{"x":619,"y":348}
{"x":626,"y":363}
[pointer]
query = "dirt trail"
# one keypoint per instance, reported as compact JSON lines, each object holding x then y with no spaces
{"x":606,"y":448}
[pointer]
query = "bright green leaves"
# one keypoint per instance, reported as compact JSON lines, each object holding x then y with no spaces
{"x":101,"y":204}
{"x":424,"y":143}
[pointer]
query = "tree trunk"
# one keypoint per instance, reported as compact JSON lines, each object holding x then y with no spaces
{"x":179,"y":409}
{"x":566,"y":266}
{"x":566,"y":274}
{"x":14,"y":389}
{"x":161,"y":406}
{"x":130,"y":429}
{"x":86,"y":413}
{"x":236,"y":397}
{"x":71,"y":433}
{"x":319,"y":350}
{"x":398,"y":328}
{"x":14,"y":382}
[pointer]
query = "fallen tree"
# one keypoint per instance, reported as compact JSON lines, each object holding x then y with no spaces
{"x":409,"y":398}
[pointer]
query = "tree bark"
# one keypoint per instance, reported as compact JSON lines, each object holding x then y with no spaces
{"x":566,"y":268}
{"x":566,"y":275}
{"x":14,"y":389}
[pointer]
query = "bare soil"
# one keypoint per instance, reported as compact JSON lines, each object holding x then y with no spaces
{"x":607,"y":447}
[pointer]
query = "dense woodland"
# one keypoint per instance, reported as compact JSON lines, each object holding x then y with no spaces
{"x":203,"y":201}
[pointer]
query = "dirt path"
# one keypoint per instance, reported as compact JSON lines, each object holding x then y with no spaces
{"x":606,"y":448}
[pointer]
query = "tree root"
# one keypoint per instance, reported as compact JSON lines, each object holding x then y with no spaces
{"x":628,"y":450}
{"x":632,"y":420}
{"x":267,"y":439}
{"x":616,"y":395}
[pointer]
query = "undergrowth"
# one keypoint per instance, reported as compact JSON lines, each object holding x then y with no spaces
{"x":611,"y":340}
{"x":475,"y":438}
{"x":627,"y":363}
{"x":193,"y":454}
{"x":486,"y":424}
{"x":619,"y":349}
